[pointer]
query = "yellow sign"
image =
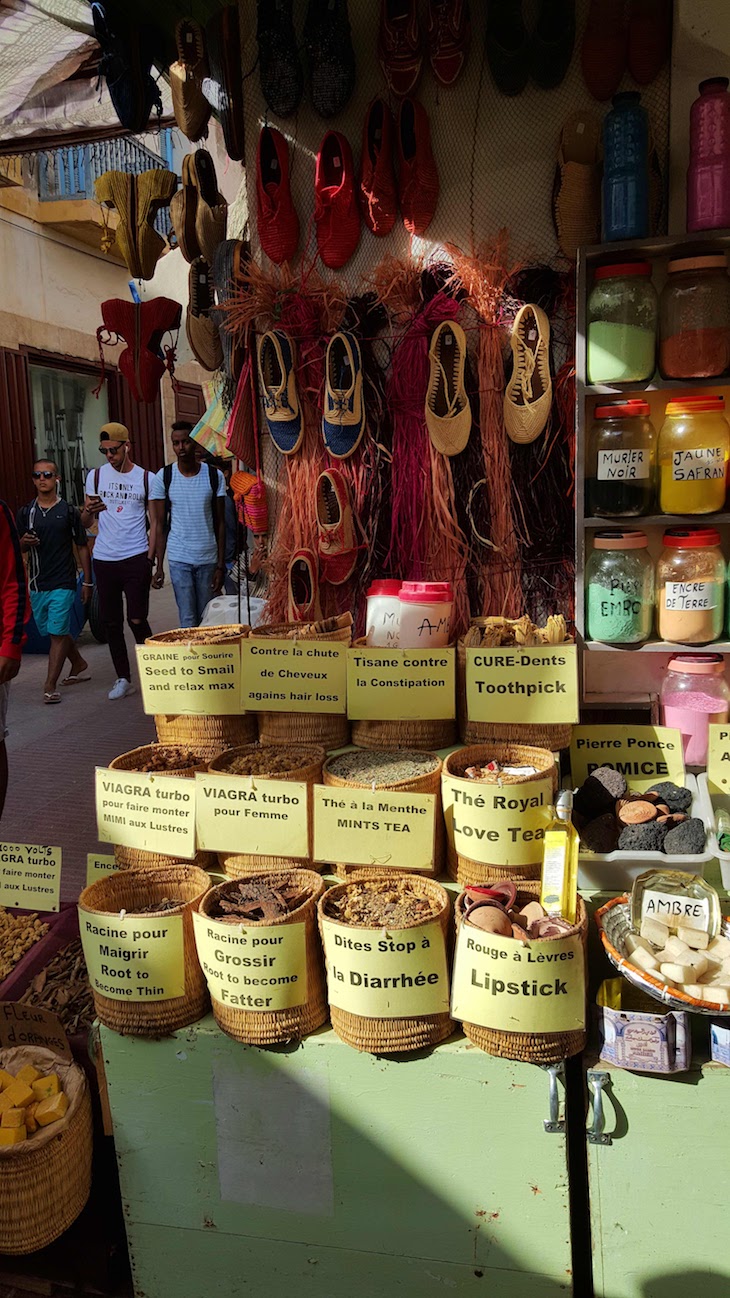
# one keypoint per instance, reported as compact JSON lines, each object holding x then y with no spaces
{"x":261,"y":969}
{"x":236,"y":813}
{"x":501,"y":983}
{"x":643,"y":754}
{"x":154,"y":813}
{"x":191,"y":679}
{"x":360,"y":827}
{"x":30,"y":876}
{"x":535,"y":686}
{"x":98,"y":867}
{"x":386,"y":974}
{"x":401,"y":684}
{"x":294,"y":676}
{"x":718,"y":759}
{"x":135,"y":958}
{"x":494,"y":824}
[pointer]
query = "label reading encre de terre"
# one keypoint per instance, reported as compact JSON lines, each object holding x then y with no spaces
{"x":260,"y":969}
{"x":643,"y":754}
{"x":191,"y":679}
{"x":386,"y":974}
{"x":492,"y":823}
{"x":237,"y":813}
{"x":150,"y":812}
{"x":401,"y":684}
{"x":293,"y":676}
{"x":501,"y":983}
{"x":533,"y":686}
{"x":30,"y":876}
{"x":377,"y":827}
{"x":137,"y":958}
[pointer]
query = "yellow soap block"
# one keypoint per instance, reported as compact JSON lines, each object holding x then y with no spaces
{"x":45,"y":1087}
{"x":28,"y":1074}
{"x":51,"y":1110}
{"x":12,"y":1135}
{"x":13,"y":1118}
{"x":30,"y":1122}
{"x":6,"y":1079}
{"x":19,"y":1095}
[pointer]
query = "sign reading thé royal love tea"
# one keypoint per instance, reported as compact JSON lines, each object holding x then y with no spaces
{"x":153,"y":813}
{"x":497,"y":823}
{"x":294,"y":676}
{"x":401,"y":684}
{"x":531,"y":686}
{"x":192,"y":679}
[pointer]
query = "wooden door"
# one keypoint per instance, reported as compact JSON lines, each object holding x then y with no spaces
{"x":16,"y":429}
{"x":189,"y":402}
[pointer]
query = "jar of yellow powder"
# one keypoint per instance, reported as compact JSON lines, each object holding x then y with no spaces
{"x":694,"y":446}
{"x":690,"y":586}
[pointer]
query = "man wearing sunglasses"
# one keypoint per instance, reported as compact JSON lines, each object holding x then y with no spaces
{"x":49,"y":528}
{"x":14,"y":613}
{"x":116,"y":495}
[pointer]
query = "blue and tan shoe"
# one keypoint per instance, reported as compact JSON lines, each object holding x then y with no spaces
{"x":279,"y":391}
{"x":343,"y":419}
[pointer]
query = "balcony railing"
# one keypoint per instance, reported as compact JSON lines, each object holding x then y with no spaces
{"x":69,"y":172}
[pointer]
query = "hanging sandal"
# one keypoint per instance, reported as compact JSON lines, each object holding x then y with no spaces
{"x":191,"y":108}
{"x":55,"y":697}
{"x":137,"y":201}
{"x":201,"y":330}
{"x":336,"y":544}
{"x":577,"y":188}
{"x":529,"y":393}
{"x":303,"y":588}
{"x":211,"y":212}
{"x":448,"y":413}
{"x":77,"y":680}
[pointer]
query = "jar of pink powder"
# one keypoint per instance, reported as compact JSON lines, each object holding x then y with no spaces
{"x":695,"y":695}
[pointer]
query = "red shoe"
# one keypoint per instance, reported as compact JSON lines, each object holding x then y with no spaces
{"x":400,"y":46}
{"x":650,"y":38}
{"x":449,"y":34}
{"x":335,"y":208}
{"x":378,"y":197}
{"x":278,"y":223}
{"x":604,"y":49}
{"x":418,"y":179}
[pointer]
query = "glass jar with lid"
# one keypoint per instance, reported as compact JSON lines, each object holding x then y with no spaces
{"x":622,"y":324}
{"x":694,"y":696}
{"x":694,"y":318}
{"x":690,"y":586}
{"x":619,"y":588}
{"x":694,"y":446}
{"x":621,"y":461}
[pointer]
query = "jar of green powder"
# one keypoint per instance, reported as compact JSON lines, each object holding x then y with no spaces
{"x":622,"y":324}
{"x":619,"y":588}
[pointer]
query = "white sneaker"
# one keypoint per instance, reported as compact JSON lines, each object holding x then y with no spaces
{"x":120,"y":689}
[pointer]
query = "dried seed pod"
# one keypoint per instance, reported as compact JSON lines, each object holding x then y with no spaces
{"x":635,"y":811}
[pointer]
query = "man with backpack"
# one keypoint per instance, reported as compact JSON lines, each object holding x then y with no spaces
{"x":117,"y":496}
{"x":187,"y":510}
{"x":14,"y":613}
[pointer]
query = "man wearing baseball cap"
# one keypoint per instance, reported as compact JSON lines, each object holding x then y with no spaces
{"x":117,"y":495}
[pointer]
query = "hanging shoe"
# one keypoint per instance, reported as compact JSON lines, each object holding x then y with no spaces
{"x":277,"y":220}
{"x":418,"y":178}
{"x":343,"y":419}
{"x":227,"y":273}
{"x":400,"y":45}
{"x":553,"y":39}
{"x":448,"y":413}
{"x":137,"y":200}
{"x":142,"y":326}
{"x":183,"y":210}
{"x":211,"y":211}
{"x":605,"y":48}
{"x":529,"y":393}
{"x":335,"y":209}
{"x":190,"y":106}
{"x":279,"y":391}
{"x":378,"y":197}
{"x":449,"y":36}
{"x":650,"y":38}
{"x":577,"y":188}
{"x":128,"y":51}
{"x":280,"y":71}
{"x":336,"y":544}
{"x":200,"y":327}
{"x":328,"y":42}
{"x":507,"y":46}
{"x":303,"y":588}
{"x":224,"y":86}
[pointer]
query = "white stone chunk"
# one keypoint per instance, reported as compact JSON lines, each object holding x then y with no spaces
{"x":696,"y":938}
{"x":654,"y":931}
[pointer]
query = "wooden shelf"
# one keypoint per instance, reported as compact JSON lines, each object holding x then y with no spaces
{"x":640,"y":521}
{"x":656,"y":384}
{"x":666,"y":246}
{"x":658,"y":647}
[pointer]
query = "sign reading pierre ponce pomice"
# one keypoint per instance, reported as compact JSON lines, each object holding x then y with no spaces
{"x":261,"y":969}
{"x":401,"y":684}
{"x":378,"y":828}
{"x":383,"y":974}
{"x":643,"y":754}
{"x":532,"y":686}
{"x":194,"y":679}
{"x":135,"y":957}
{"x":267,"y":817}
{"x":293,"y":676}
{"x":718,"y":758}
{"x":497,"y":823}
{"x":515,"y":987}
{"x":154,"y":813}
{"x":30,"y":876}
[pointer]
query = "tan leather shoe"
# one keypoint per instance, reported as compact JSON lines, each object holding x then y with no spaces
{"x":191,"y":108}
{"x":529,"y":393}
{"x":448,"y":413}
{"x":211,"y":213}
{"x":137,"y":200}
{"x":202,"y":333}
{"x":183,"y":209}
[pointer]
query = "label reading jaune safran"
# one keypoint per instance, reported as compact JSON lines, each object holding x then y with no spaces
{"x":519,"y":987}
{"x":134,"y":957}
{"x":401,"y":684}
{"x":386,"y":974}
{"x":192,"y":679}
{"x":293,"y":676}
{"x":153,"y":813}
{"x":261,"y":969}
{"x":533,"y":686}
{"x":492,"y":823}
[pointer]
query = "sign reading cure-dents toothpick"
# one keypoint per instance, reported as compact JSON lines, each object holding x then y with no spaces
{"x":531,"y":686}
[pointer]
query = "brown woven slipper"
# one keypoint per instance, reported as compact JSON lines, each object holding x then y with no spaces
{"x":191,"y":108}
{"x":201,"y":331}
{"x":183,"y":208}
{"x":211,"y":213}
{"x":577,"y":188}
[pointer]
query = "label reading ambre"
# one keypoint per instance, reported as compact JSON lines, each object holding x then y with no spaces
{"x":505,"y":984}
{"x":623,"y":466}
{"x":137,"y":958}
{"x":30,"y":876}
{"x":497,"y":825}
{"x":401,"y":684}
{"x":293,"y":676}
{"x":190,"y":679}
{"x":262,"y":969}
{"x":643,"y":754}
{"x":98,"y":867}
{"x":673,"y":910}
{"x":154,"y":813}
{"x":237,"y":813}
{"x":386,"y":975}
{"x":378,"y":828}
{"x":523,"y":686}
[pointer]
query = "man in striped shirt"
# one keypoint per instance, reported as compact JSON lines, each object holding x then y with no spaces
{"x":14,"y":613}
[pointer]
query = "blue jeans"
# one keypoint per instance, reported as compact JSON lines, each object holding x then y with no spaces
{"x":191,"y":584}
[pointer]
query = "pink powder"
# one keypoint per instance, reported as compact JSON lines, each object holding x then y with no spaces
{"x":692,"y":713}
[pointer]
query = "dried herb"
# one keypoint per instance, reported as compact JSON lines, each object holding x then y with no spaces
{"x":159,"y":907}
{"x":380,"y":904}
{"x":63,"y":988}
{"x":18,"y":933}
{"x":249,"y":900}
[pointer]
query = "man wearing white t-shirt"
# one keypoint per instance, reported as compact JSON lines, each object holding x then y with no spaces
{"x":117,"y":495}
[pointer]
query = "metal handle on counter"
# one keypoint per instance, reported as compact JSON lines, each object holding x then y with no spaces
{"x":554,"y":1124}
{"x":597,"y":1078}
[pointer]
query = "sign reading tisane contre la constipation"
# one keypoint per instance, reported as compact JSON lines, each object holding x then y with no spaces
{"x":401,"y":684}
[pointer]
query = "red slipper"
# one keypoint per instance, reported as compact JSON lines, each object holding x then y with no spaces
{"x":604,"y":50}
{"x":650,"y":38}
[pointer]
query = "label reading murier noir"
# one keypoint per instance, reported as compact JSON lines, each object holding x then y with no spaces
{"x":623,"y":466}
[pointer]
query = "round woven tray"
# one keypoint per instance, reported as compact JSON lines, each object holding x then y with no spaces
{"x":309,"y":773}
{"x":428,"y":783}
{"x":480,"y":732}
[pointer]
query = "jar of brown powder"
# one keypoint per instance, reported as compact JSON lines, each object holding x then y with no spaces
{"x":694,"y":318}
{"x":690,"y":586}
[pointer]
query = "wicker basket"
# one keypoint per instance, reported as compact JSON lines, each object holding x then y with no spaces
{"x":211,"y":733}
{"x":423,"y":736}
{"x":136,"y":757}
{"x":46,"y":1180}
{"x":530,"y":1047}
{"x":135,"y":858}
{"x":269,"y":1027}
{"x":480,"y":732}
{"x":330,"y":729}
{"x":128,"y":891}
{"x":309,"y":772}
{"x":462,"y":868}
{"x":202,"y":635}
{"x":429,"y":783}
{"x":394,"y":1035}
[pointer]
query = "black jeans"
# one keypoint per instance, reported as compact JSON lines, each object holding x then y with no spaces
{"x":117,"y":579}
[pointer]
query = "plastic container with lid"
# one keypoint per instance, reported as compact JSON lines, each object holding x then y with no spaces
{"x":708,"y":174}
{"x":382,"y":619}
{"x":622,"y":324}
{"x":625,"y":169}
{"x":690,"y":586}
{"x":695,"y":695}
{"x":694,"y":318}
{"x":621,"y":461}
{"x":619,"y":588}
{"x":425,"y":614}
{"x":694,"y":446}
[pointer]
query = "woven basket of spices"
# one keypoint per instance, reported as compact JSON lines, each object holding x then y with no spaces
{"x":211,"y":732}
{"x":567,"y":952}
{"x":259,"y":947}
{"x":385,"y":953}
{"x":178,"y":760}
{"x":398,"y":771}
{"x":153,"y":897}
{"x":45,"y":1179}
{"x":523,"y":783}
{"x":331,"y":730}
{"x":479,"y":732}
{"x":295,"y":763}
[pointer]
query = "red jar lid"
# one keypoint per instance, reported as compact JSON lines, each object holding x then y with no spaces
{"x":623,"y":409}
{"x":696,"y":405}
{"x":426,"y":592}
{"x":698,"y":664}
{"x":679,"y":538}
{"x":386,"y":587}
{"x":617,"y":270}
